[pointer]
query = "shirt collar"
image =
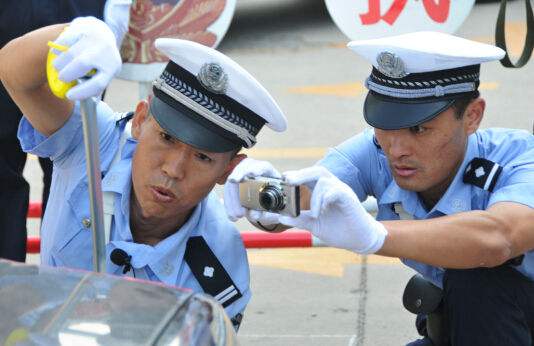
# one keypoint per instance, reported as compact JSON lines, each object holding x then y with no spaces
{"x":119,"y":175}
{"x":169,"y":253}
{"x":409,"y":199}
{"x":456,"y":199}
{"x":119,"y":178}
{"x":166,"y":257}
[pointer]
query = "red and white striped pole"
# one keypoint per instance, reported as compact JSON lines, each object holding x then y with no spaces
{"x":251,"y":239}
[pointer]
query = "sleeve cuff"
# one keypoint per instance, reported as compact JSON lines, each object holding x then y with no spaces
{"x":56,"y":145}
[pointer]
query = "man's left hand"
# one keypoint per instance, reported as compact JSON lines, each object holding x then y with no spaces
{"x":248,"y":168}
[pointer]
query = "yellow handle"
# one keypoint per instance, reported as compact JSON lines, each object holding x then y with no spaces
{"x":57,"y":46}
{"x":58,"y":87}
{"x":16,"y":336}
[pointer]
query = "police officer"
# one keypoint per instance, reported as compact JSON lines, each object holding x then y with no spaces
{"x":165,"y":220}
{"x":469,"y":192}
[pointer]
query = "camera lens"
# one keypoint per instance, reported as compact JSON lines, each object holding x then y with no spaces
{"x":272,"y":198}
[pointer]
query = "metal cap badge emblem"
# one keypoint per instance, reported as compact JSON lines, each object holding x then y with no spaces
{"x":213,"y":78}
{"x":391,"y":65}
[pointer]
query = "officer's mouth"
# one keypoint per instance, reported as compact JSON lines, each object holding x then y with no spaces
{"x":162,"y":195}
{"x":404,"y":171}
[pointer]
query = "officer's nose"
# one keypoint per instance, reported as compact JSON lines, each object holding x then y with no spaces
{"x":176,"y":162}
{"x":396,"y":143}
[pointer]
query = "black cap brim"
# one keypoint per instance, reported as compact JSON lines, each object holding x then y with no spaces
{"x":387,"y":113}
{"x":190,"y":128}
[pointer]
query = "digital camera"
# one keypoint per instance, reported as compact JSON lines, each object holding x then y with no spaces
{"x":270,"y":194}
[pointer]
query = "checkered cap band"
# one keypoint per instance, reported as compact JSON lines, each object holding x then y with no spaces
{"x":225,"y":107}
{"x":434,"y":85}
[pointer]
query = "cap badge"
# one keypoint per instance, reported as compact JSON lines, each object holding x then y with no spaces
{"x":213,"y":78}
{"x":391,"y":65}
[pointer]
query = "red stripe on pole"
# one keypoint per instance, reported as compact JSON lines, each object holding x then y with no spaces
{"x":33,"y":245}
{"x":252,"y":240}
{"x":35,"y":209}
{"x":258,"y":239}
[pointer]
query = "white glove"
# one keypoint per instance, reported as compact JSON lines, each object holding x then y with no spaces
{"x":248,"y":168}
{"x":336,"y":215}
{"x":117,"y":17}
{"x":91,"y":46}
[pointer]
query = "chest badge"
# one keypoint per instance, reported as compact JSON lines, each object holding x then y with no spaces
{"x":208,"y":271}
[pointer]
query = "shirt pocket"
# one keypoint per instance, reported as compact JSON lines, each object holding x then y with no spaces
{"x":73,"y":244}
{"x":76,"y":252}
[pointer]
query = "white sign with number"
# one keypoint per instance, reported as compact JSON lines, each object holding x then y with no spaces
{"x":366,"y":19}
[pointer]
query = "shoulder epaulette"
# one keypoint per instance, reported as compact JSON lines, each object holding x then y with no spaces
{"x":209,"y":272}
{"x":124,"y":117}
{"x":482,"y":173}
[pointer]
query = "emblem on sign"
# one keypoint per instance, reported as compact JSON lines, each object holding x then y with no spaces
{"x":213,"y":78}
{"x":185,"y":19}
{"x":391,"y":65}
{"x":201,"y":21}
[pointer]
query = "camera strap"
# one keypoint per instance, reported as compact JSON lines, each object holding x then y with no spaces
{"x":500,"y":39}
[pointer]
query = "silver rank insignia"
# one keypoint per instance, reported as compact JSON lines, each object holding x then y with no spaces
{"x":213,"y":78}
{"x":391,"y":65}
{"x":208,"y":271}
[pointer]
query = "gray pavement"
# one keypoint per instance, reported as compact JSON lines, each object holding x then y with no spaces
{"x":295,"y":50}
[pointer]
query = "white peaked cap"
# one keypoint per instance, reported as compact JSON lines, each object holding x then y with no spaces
{"x":426,"y":51}
{"x":205,"y":99}
{"x":417,"y":76}
{"x":242,"y":86}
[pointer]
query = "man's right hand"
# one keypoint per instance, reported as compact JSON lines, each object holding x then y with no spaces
{"x":91,"y":45}
{"x":336,"y":215}
{"x":248,"y":168}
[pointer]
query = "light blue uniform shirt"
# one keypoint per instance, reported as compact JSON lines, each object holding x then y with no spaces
{"x":362,"y":165}
{"x":66,"y":238}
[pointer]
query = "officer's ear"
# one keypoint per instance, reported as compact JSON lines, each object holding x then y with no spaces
{"x":236,"y":159}
{"x":473,"y":115}
{"x":140,"y":115}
